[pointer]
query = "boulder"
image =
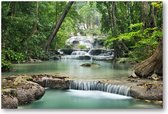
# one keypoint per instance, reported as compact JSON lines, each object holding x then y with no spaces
{"x":90,"y":65}
{"x":57,"y":83}
{"x":51,"y":81}
{"x":147,"y":91}
{"x":28,"y":92}
{"x":9,"y":100}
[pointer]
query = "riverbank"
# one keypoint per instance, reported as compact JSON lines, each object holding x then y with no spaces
{"x":23,"y":89}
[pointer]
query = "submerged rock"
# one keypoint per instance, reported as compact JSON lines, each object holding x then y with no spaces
{"x":90,"y":65}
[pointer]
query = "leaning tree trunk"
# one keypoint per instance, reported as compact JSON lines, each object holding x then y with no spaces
{"x":57,"y":26}
{"x":151,"y":65}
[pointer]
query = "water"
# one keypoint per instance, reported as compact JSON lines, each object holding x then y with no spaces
{"x":78,"y":99}
{"x":73,"y":69}
{"x":96,"y":85}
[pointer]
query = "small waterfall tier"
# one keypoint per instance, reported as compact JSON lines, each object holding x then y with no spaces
{"x":97,"y":85}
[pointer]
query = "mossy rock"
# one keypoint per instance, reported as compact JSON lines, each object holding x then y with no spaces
{"x":90,"y":65}
{"x":22,"y":79}
{"x":9,"y":92}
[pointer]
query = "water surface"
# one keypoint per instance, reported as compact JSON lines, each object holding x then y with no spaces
{"x":73,"y":69}
{"x":78,"y":99}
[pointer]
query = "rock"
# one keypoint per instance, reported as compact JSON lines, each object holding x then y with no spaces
{"x":9,"y":102}
{"x":132,"y":80}
{"x":57,"y":84}
{"x":90,"y":65}
{"x":96,"y":51}
{"x":84,"y":57}
{"x":22,"y":79}
{"x":28,"y":92}
{"x":51,"y":81}
{"x":67,"y":51}
{"x":155,"y":77}
{"x":133,"y":75}
{"x":9,"y":92}
{"x":147,"y":91}
{"x":34,"y":60}
{"x":159,"y":102}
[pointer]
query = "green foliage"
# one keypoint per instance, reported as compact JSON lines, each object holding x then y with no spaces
{"x":12,"y":56}
{"x":9,"y":56}
{"x":141,"y":42}
{"x":136,"y":26}
{"x":5,"y":64}
{"x":81,"y":46}
{"x":27,"y":26}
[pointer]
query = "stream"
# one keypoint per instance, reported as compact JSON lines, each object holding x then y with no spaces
{"x":79,"y":99}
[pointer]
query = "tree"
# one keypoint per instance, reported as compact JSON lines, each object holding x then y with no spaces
{"x":57,"y":26}
{"x":153,"y":64}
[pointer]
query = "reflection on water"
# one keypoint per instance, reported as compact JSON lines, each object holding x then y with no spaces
{"x":72,"y":68}
{"x":78,"y":99}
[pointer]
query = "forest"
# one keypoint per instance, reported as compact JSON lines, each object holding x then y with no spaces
{"x":65,"y":53}
{"x":26,"y":27}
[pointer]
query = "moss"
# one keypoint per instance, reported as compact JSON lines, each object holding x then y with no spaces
{"x":22,"y":79}
{"x":90,"y":65}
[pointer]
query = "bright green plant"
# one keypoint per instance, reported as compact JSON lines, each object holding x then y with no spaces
{"x":141,"y":43}
{"x":81,"y":46}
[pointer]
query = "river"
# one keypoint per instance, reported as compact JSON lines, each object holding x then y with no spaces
{"x":78,"y":99}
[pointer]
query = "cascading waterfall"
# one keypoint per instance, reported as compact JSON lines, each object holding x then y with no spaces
{"x":97,"y":85}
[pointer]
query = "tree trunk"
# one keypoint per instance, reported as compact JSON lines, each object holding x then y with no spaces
{"x":151,"y":65}
{"x":35,"y":27}
{"x":57,"y":26}
{"x":145,"y":14}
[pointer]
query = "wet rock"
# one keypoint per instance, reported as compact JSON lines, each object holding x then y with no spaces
{"x":9,"y":102}
{"x":90,"y":65}
{"x":96,"y":51}
{"x":49,"y":80}
{"x":57,"y":83}
{"x":34,"y":60}
{"x":28,"y":92}
{"x":55,"y":57}
{"x":84,"y":57}
{"x":67,"y":51}
{"x":147,"y":91}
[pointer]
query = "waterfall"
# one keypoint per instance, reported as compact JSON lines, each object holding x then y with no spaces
{"x":91,"y":59}
{"x":97,"y":85}
{"x":46,"y":83}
